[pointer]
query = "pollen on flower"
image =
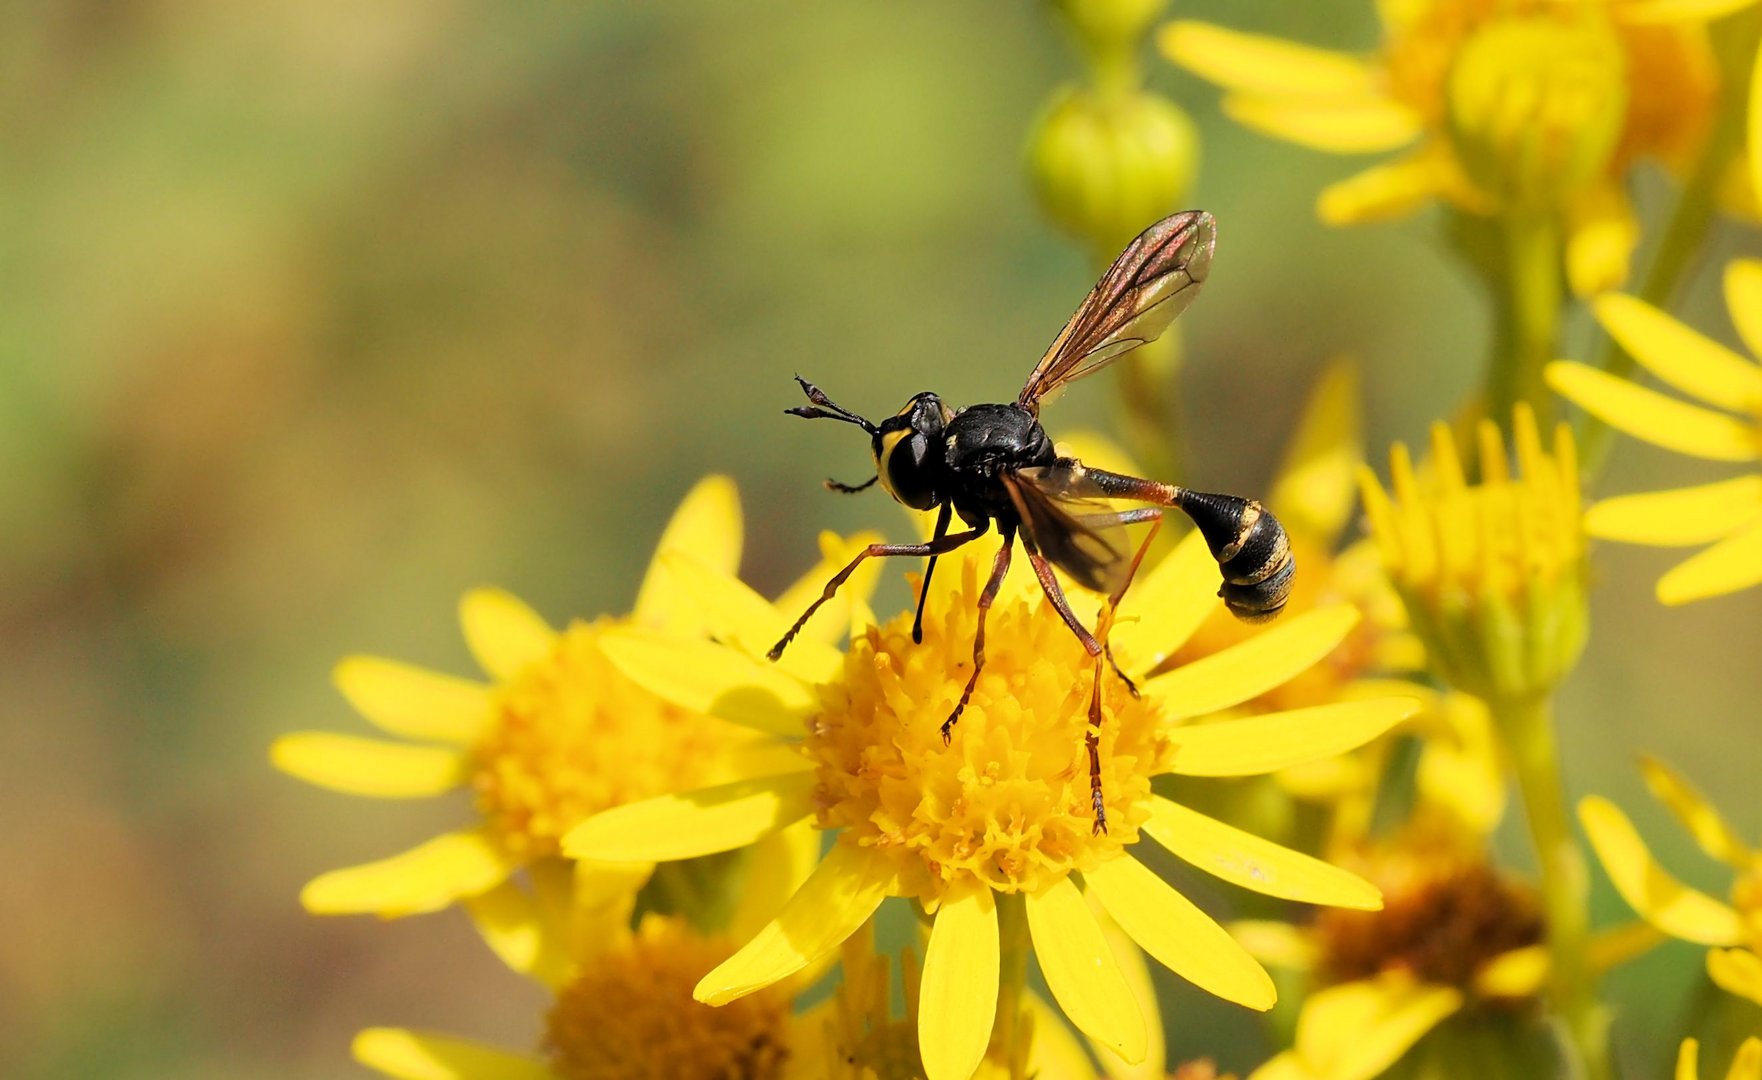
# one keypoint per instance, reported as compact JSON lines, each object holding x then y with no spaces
{"x":1007,"y":803}
{"x":1447,"y":913}
{"x":573,"y":736}
{"x":630,"y":1014}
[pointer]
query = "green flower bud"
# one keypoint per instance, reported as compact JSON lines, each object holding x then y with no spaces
{"x":1105,"y":166}
{"x":1536,"y":106}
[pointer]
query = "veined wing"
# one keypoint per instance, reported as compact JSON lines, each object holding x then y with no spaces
{"x":1152,"y":281}
{"x":1064,"y":519}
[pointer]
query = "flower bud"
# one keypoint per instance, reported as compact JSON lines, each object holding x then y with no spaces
{"x":1106,"y":165}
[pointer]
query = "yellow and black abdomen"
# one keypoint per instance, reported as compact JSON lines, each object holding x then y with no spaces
{"x":1251,"y":549}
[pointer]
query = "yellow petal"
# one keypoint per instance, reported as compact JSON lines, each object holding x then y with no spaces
{"x":736,"y":615}
{"x":428,"y":877}
{"x":1165,"y":606}
{"x":1613,"y":946}
{"x":597,"y":906}
{"x":706,"y":527}
{"x":1659,"y":898}
{"x":1055,"y":1052}
{"x":1081,"y":972}
{"x":1268,"y":65}
{"x":401,"y":699}
{"x":833,"y":620}
{"x":1746,"y":1064}
{"x":1649,"y":415}
{"x":1601,"y":241}
{"x":1696,"y":814}
{"x":1519,"y":973}
{"x":411,"y":1055}
{"x":1253,"y":863}
{"x":1692,"y":515}
{"x":1339,"y":126}
{"x":1261,"y":744}
{"x":1691,"y":362}
{"x":504,"y":634}
{"x":1316,"y":488}
{"x":1743,"y":300}
{"x":1736,"y":971}
{"x":841,"y":893}
{"x":1753,"y":126}
{"x":1181,"y":937}
{"x":1356,"y":1030}
{"x":958,"y":999}
{"x":1252,"y":667}
{"x":777,"y":867}
{"x":707,"y":677}
{"x":510,"y":924}
{"x":1687,"y":1067}
{"x":1732,"y":564}
{"x":693,"y":823}
{"x":1384,"y":192}
{"x":1135,"y":969}
{"x":1277,"y":943}
{"x":357,"y":766}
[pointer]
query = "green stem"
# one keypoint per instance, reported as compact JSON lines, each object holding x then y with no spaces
{"x":1010,"y":1037}
{"x":1693,"y":212}
{"x":1529,"y":315}
{"x":1527,"y":725}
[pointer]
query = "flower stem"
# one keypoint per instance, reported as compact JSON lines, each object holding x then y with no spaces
{"x":1529,"y":314}
{"x":1011,"y":1038}
{"x":1527,"y":725}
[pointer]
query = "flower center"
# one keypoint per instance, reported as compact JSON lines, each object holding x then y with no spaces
{"x":630,"y":1016}
{"x":1007,"y":803}
{"x":1445,"y":916}
{"x":573,"y":736}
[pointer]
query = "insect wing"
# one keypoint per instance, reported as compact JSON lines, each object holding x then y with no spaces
{"x":1152,"y":282}
{"x":1066,"y":521}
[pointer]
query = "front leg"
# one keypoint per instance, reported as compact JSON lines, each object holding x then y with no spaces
{"x":939,"y":546}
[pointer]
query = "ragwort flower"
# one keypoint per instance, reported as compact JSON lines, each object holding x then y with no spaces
{"x":1732,"y":930}
{"x":1492,"y":573}
{"x":1003,"y":814}
{"x":572,"y":933}
{"x":1726,"y":514}
{"x":1494,"y":103}
{"x":558,"y":734}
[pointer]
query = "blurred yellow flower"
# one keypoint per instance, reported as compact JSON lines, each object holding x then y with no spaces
{"x":1734,"y":930}
{"x":1005,"y":810}
{"x":1726,"y":514}
{"x":1496,"y":103}
{"x":621,"y":1005}
{"x":556,"y":736}
{"x":1493,"y":573}
{"x":1745,"y":1065}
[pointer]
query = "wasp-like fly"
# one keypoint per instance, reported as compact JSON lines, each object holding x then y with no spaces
{"x":994,"y":463}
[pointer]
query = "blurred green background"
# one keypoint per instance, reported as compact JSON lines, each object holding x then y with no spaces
{"x":315,"y":314}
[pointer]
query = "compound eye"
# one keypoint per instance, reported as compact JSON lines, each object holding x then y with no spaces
{"x":903,"y":462}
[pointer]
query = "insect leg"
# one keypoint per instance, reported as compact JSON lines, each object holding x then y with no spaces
{"x":924,"y":590}
{"x":999,"y":567}
{"x":1104,"y":624}
{"x":940,"y":546}
{"x":1049,"y":585}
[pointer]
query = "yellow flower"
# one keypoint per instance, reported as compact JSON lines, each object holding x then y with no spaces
{"x":1492,"y":574}
{"x":1003,"y":815}
{"x":1734,"y":930}
{"x":1454,"y":934}
{"x":1726,"y":514}
{"x":558,"y":734}
{"x":1495,"y":103}
{"x":1746,"y":1065}
{"x":571,"y":932}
